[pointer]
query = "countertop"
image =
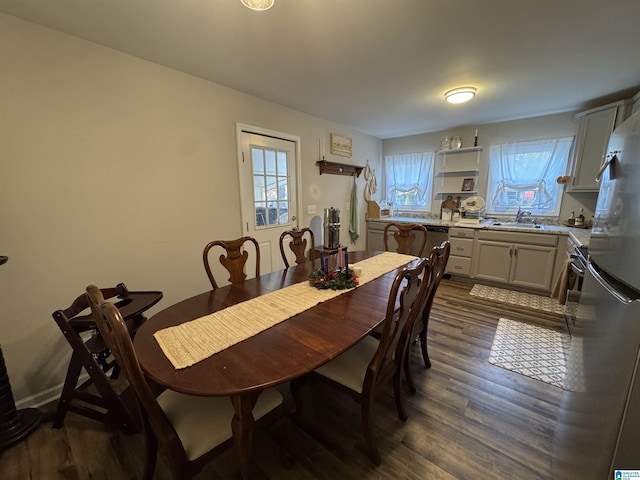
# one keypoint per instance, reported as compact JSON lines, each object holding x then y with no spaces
{"x":579,"y":235}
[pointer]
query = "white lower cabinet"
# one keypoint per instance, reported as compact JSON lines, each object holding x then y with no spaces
{"x":518,"y":259}
{"x":461,"y":251}
{"x":375,"y":236}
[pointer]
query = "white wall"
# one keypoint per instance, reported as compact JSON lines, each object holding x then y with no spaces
{"x":549,"y":126}
{"x":114,"y":169}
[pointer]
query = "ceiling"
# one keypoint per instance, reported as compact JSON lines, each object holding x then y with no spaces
{"x":379,"y":66}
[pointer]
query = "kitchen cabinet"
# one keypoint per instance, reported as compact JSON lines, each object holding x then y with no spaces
{"x":524,"y":260}
{"x":635,"y":107}
{"x":453,"y":167}
{"x":461,"y":251}
{"x":375,"y":236}
{"x":594,"y":128}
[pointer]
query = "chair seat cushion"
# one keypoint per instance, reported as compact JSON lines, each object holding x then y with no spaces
{"x":350,"y":368}
{"x":203,"y":423}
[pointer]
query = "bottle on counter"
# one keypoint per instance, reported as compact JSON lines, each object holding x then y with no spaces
{"x":572,"y":218}
{"x":580,"y":218}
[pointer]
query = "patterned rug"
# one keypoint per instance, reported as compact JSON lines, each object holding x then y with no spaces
{"x":529,"y":350}
{"x":537,"y":302}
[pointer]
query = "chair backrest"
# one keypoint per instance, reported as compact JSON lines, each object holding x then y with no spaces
{"x":408,"y":291}
{"x":114,"y":330}
{"x":234,"y":261}
{"x":404,"y":235}
{"x":95,"y":298}
{"x":298,"y":245}
{"x":438,"y":258}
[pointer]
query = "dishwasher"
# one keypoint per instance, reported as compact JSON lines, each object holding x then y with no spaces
{"x":435,"y":236}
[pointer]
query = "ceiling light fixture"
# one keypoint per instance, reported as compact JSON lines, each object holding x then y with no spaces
{"x":258,"y":4}
{"x":460,"y":95}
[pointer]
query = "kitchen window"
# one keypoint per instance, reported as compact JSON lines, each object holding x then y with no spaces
{"x":409,"y":180}
{"x":523,"y":174}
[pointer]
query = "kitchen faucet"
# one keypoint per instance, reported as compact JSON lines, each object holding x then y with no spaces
{"x":520,"y":214}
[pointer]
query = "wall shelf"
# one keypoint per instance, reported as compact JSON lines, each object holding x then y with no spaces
{"x":461,"y":150}
{"x":458,"y":192}
{"x":456,"y":166}
{"x":334,"y":168}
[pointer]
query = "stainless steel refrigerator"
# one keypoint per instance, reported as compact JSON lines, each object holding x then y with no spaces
{"x":598,"y":424}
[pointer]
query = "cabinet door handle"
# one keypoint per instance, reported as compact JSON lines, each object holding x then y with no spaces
{"x":515,"y":251}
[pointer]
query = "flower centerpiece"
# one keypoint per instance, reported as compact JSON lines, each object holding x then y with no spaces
{"x":336,"y":279}
{"x":339,"y":278}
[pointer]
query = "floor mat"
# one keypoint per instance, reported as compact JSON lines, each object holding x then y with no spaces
{"x":529,"y":350}
{"x":537,"y":302}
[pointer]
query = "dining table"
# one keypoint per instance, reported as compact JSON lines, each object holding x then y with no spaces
{"x":283,"y":352}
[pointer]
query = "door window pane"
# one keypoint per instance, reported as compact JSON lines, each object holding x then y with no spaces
{"x":270,"y":187}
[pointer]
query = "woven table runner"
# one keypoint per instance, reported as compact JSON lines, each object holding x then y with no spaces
{"x":191,"y":342}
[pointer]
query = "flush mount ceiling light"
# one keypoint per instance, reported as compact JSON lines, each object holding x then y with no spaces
{"x":460,"y":95}
{"x":258,"y":4}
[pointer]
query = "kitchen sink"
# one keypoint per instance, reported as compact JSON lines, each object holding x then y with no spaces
{"x":517,"y":225}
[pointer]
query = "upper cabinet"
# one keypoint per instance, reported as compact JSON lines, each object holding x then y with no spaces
{"x":458,"y":171}
{"x":595,"y":127}
{"x":636,"y":103}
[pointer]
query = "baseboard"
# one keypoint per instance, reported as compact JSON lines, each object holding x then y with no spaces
{"x":44,"y":397}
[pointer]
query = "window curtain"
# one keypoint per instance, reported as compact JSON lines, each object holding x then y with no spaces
{"x":530,"y":166}
{"x":409,"y":179}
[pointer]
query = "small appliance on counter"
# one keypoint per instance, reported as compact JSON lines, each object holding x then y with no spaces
{"x":377,"y":209}
{"x":472,"y":208}
{"x":331,"y":228}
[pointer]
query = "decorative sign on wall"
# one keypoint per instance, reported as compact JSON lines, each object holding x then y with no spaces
{"x":340,"y":145}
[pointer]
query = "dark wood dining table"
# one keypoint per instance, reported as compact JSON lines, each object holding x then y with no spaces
{"x":281,"y":353}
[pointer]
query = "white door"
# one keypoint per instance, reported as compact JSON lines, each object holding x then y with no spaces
{"x":268,"y":189}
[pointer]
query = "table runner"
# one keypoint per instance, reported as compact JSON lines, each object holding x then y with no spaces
{"x":191,"y":342}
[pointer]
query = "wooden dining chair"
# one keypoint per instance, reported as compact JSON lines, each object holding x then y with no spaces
{"x":96,"y":397}
{"x":438,"y":258}
{"x":188,"y":431}
{"x":404,"y":235}
{"x":298,"y":245}
{"x":235,"y":259}
{"x":364,"y":369}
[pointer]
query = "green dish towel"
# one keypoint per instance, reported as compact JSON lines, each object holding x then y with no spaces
{"x":354,"y":222}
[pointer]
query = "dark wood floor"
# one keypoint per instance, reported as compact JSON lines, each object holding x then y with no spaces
{"x":469,"y":420}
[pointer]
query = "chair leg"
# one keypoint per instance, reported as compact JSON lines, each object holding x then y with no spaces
{"x":367,"y":427}
{"x":150,"y":453}
{"x":116,"y":413}
{"x":70,"y":382}
{"x":397,"y":391}
{"x":423,"y":346}
{"x":406,"y":361}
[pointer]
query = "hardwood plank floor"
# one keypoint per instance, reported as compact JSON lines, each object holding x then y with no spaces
{"x":469,"y":420}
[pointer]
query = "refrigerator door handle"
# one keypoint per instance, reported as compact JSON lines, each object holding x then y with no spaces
{"x":617,"y":294}
{"x":608,"y":160}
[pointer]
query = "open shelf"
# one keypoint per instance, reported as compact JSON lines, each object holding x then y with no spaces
{"x":334,"y":168}
{"x":475,"y":171}
{"x":456,"y":166}
{"x":459,"y":192}
{"x":460,"y":150}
